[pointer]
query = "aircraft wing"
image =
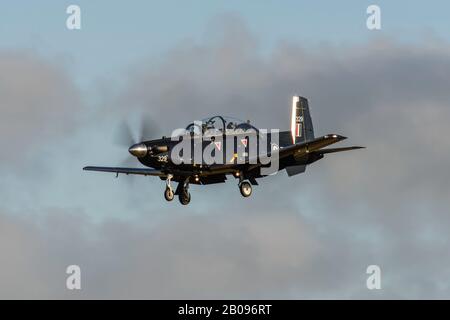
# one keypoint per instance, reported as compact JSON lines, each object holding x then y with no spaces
{"x":117,"y":170}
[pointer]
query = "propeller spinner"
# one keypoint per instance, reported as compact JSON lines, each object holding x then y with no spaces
{"x":138,"y":150}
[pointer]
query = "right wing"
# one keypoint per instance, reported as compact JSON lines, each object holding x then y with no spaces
{"x":117,"y":170}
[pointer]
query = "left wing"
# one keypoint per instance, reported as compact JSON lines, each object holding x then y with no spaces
{"x":117,"y":170}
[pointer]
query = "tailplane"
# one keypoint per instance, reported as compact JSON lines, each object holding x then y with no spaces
{"x":305,"y":148}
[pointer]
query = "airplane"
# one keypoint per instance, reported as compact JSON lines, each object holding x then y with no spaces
{"x":292,"y":149}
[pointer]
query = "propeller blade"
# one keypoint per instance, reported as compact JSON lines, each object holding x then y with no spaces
{"x":124,"y":136}
{"x":148,"y":129}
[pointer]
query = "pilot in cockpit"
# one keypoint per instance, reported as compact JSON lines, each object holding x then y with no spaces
{"x":231,"y":125}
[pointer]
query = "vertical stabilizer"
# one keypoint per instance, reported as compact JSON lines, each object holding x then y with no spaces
{"x":301,"y":123}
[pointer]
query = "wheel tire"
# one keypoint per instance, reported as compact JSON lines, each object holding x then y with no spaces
{"x":169,"y":194}
{"x":245,"y":188}
{"x":184,"y":197}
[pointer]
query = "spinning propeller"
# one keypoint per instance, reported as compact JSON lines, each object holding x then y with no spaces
{"x":132,"y":137}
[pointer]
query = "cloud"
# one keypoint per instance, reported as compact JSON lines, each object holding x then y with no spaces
{"x":38,"y":103}
{"x":311,"y":236}
{"x":184,"y":258}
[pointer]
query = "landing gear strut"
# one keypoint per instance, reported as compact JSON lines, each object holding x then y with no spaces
{"x":168,"y":193}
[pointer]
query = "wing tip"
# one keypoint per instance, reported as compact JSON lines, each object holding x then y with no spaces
{"x":356,"y":147}
{"x":334,"y":136}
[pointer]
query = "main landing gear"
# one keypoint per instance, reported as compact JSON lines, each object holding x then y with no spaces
{"x":184,"y":196}
{"x":245,"y":188}
{"x":182,"y":191}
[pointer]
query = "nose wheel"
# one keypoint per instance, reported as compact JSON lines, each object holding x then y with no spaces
{"x":168,"y":193}
{"x":245,"y":188}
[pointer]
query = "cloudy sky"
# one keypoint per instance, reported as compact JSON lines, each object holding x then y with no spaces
{"x":64,"y":94}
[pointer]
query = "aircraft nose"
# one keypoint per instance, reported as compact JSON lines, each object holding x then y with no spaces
{"x":138,"y":150}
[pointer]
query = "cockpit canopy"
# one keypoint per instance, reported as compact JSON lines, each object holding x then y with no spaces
{"x":219,"y":125}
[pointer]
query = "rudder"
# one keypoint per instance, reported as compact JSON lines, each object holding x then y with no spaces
{"x":301,"y":123}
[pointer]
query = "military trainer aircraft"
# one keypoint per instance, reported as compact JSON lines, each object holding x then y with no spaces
{"x":208,"y":151}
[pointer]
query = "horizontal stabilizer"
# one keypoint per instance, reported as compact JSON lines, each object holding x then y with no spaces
{"x":333,"y":150}
{"x":299,"y":150}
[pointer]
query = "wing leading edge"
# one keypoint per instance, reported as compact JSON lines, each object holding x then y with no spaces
{"x":117,"y":170}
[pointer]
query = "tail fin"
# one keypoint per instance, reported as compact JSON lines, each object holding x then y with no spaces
{"x":301,"y":124}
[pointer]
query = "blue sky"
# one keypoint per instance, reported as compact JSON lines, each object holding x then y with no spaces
{"x":116,"y":34}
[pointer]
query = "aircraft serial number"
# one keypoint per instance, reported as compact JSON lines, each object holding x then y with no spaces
{"x":163,"y":158}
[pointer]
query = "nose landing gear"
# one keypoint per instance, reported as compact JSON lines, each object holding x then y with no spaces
{"x":168,"y":193}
